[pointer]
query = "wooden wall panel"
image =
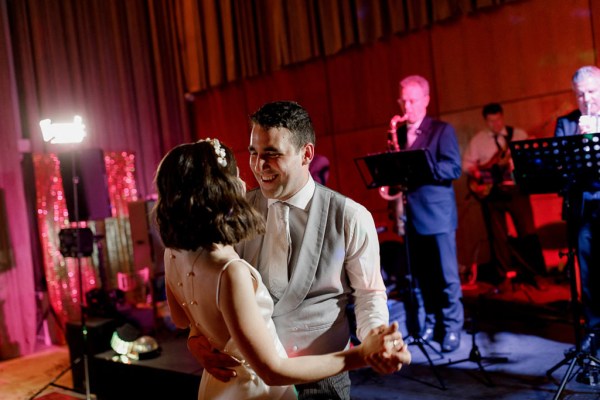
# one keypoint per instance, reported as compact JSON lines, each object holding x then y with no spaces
{"x":305,"y":84}
{"x":348,"y":147}
{"x":595,"y":12}
{"x":326,"y":146}
{"x":518,"y":51}
{"x":222,"y":113}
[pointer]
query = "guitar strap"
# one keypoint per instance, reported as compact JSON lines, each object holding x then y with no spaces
{"x":509,"y":135}
{"x":498,"y":173}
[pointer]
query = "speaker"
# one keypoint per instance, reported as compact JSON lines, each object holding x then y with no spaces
{"x":140,"y":234}
{"x":99,"y":333}
{"x":70,"y":246}
{"x":147,"y":246}
{"x":87,"y":166}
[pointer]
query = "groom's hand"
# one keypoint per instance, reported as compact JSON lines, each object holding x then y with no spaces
{"x":395,"y":355}
{"x":215,"y":363}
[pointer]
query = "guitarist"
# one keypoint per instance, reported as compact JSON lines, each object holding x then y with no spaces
{"x":488,"y":166}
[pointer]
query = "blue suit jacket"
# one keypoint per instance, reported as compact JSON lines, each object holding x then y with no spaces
{"x":568,"y":125}
{"x":432,"y":207}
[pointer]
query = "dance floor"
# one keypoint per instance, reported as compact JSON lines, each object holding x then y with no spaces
{"x":530,"y":328}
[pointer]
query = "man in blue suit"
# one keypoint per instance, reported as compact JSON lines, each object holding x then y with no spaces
{"x":432,"y":216}
{"x":584,"y":210}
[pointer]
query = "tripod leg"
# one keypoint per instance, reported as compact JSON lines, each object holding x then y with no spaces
{"x":421,"y":346}
{"x":475,"y":356}
{"x":559,"y":364}
{"x":565,"y":378}
{"x":53,"y":381}
{"x":426,"y":342}
{"x":486,"y":376}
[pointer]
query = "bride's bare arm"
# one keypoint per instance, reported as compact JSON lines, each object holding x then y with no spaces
{"x":246,"y":326}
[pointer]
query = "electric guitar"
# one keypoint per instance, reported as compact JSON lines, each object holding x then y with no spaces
{"x":492,"y":173}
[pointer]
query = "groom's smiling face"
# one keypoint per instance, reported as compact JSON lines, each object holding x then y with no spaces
{"x":280,"y":169}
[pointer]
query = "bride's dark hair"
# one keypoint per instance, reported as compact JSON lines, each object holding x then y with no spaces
{"x":200,"y":200}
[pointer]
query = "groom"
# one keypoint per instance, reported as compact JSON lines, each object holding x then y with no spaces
{"x":334,"y":257}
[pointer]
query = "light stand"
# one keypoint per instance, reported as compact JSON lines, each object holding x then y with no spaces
{"x":84,"y":344}
{"x":67,"y":133}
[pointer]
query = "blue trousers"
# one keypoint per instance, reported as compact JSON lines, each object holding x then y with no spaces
{"x":435,"y":267}
{"x":588,"y":255}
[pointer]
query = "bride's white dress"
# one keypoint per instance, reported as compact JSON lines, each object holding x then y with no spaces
{"x":247,"y":384}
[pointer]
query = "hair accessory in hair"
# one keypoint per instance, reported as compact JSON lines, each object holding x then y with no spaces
{"x":219,"y":151}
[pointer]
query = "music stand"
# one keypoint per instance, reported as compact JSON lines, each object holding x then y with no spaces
{"x":406,"y":170}
{"x":568,"y":165}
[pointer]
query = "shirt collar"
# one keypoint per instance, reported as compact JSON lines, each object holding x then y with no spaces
{"x":417,"y":124}
{"x":302,"y":197}
{"x":503,"y":132}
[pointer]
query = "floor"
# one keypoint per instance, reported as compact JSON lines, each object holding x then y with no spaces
{"x":530,"y":327}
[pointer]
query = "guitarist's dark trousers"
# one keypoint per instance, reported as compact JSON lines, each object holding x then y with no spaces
{"x":523,"y":254}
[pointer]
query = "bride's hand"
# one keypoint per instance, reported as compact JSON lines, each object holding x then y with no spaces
{"x":384,"y":350}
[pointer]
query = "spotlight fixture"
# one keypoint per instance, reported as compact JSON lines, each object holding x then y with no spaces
{"x":64,"y":132}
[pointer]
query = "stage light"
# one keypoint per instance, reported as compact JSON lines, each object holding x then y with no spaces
{"x":64,"y":132}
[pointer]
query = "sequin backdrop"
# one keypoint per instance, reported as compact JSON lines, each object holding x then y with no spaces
{"x":112,"y":235}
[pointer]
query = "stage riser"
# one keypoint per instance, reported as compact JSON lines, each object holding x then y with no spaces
{"x":116,"y":381}
{"x":173,"y":374}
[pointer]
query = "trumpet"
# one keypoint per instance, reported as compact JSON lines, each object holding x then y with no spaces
{"x":393,"y":194}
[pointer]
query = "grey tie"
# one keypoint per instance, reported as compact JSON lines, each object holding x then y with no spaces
{"x":276,"y":249}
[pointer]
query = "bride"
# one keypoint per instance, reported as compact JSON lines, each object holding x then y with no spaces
{"x":201,"y":213}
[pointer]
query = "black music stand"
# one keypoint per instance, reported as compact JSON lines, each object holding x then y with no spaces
{"x":403,"y":169}
{"x":568,"y":165}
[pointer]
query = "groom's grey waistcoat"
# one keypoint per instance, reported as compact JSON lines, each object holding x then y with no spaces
{"x":311,"y":315}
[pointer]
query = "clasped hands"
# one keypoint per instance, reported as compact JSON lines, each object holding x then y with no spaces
{"x":383,"y":350}
{"x":389,"y":353}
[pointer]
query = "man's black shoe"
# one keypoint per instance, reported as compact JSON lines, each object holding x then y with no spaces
{"x":451,"y":342}
{"x":427,"y":334}
{"x":589,"y":344}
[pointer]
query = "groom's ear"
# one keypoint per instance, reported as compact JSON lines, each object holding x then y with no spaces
{"x":308,"y":153}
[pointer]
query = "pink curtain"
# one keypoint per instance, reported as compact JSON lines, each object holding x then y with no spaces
{"x":17,"y":295}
